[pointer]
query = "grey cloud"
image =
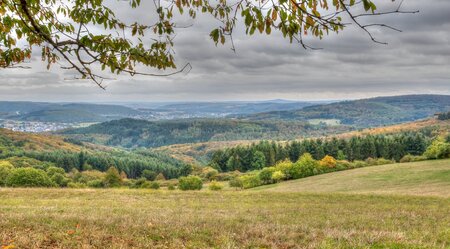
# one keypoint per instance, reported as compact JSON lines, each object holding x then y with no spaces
{"x":265,"y":67}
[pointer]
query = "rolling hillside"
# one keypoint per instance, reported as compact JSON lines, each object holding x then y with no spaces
{"x":418,"y":178}
{"x":366,"y":112}
{"x":37,"y":150}
{"x":131,"y":133}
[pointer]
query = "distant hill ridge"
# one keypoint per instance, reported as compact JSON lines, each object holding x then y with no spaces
{"x":366,"y":112}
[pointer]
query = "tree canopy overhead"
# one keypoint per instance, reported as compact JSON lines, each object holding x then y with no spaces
{"x":82,"y":35}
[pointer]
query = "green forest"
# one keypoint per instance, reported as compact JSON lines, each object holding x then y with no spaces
{"x":130,"y":133}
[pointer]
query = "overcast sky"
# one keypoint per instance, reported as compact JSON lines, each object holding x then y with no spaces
{"x":268,"y":67}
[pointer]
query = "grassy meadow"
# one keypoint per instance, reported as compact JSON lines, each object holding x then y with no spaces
{"x":426,"y":178}
{"x":279,"y":216}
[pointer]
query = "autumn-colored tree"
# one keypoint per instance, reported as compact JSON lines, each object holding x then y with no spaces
{"x":328,"y":162}
{"x":83,"y":35}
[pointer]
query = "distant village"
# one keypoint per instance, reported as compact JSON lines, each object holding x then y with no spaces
{"x":33,"y":126}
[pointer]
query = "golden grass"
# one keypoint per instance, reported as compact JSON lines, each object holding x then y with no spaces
{"x":121,"y":218}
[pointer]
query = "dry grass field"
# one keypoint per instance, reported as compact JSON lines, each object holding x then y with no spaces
{"x":123,"y":218}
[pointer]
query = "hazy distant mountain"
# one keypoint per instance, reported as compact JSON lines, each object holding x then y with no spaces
{"x":225,"y":108}
{"x":63,"y":112}
{"x":366,"y":112}
{"x":87,"y":112}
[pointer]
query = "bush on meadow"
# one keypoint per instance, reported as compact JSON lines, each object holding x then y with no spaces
{"x":265,"y":175}
{"x":215,"y":186}
{"x":358,"y":164}
{"x":112,"y":178}
{"x":438,"y":149}
{"x":28,"y":177}
{"x":149,"y":174}
{"x":250,"y":181}
{"x":286,"y":167}
{"x":328,"y":162}
{"x":76,"y":185}
{"x":305,"y":166}
{"x":95,"y":184}
{"x":278,"y":176}
{"x":410,"y":158}
{"x":209,"y":173}
{"x":190,"y":183}
{"x":343,"y":165}
{"x":236,"y":183}
{"x":171,"y":187}
{"x":5,"y":169}
{"x":60,"y":179}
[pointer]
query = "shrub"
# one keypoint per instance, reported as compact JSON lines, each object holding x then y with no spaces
{"x":358,"y":164}
{"x":149,"y":174}
{"x":250,"y":181}
{"x":209,"y":173}
{"x":96,"y":184}
{"x":343,"y":165}
{"x":382,"y":161}
{"x":138,"y":183}
{"x":112,"y":178}
{"x":76,"y":185}
{"x":226,"y":176}
{"x":54,"y":170}
{"x":278,"y":176}
{"x":190,"y":183}
{"x":171,"y":187}
{"x":28,"y":177}
{"x":5,"y":169}
{"x":86,"y":176}
{"x":236,"y":183}
{"x":411,"y":158}
{"x":328,"y":162}
{"x":60,"y":179}
{"x":215,"y":186}
{"x":286,"y":168}
{"x":304,"y":167}
{"x":154,"y":185}
{"x":265,"y":175}
{"x":438,"y":149}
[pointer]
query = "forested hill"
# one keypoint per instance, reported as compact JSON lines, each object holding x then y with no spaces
{"x":43,"y":151}
{"x":140,"y":133}
{"x":367,"y":112}
{"x":63,"y":112}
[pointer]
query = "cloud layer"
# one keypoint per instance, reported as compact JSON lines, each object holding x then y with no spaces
{"x":268,"y":67}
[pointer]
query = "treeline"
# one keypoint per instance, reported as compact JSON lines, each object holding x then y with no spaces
{"x":265,"y":153}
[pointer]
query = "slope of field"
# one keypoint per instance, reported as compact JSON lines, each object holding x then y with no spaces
{"x":366,"y":112}
{"x":117,"y":218}
{"x":418,"y":178}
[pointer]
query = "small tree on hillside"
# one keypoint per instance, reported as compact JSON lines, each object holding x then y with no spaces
{"x":112,"y":178}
